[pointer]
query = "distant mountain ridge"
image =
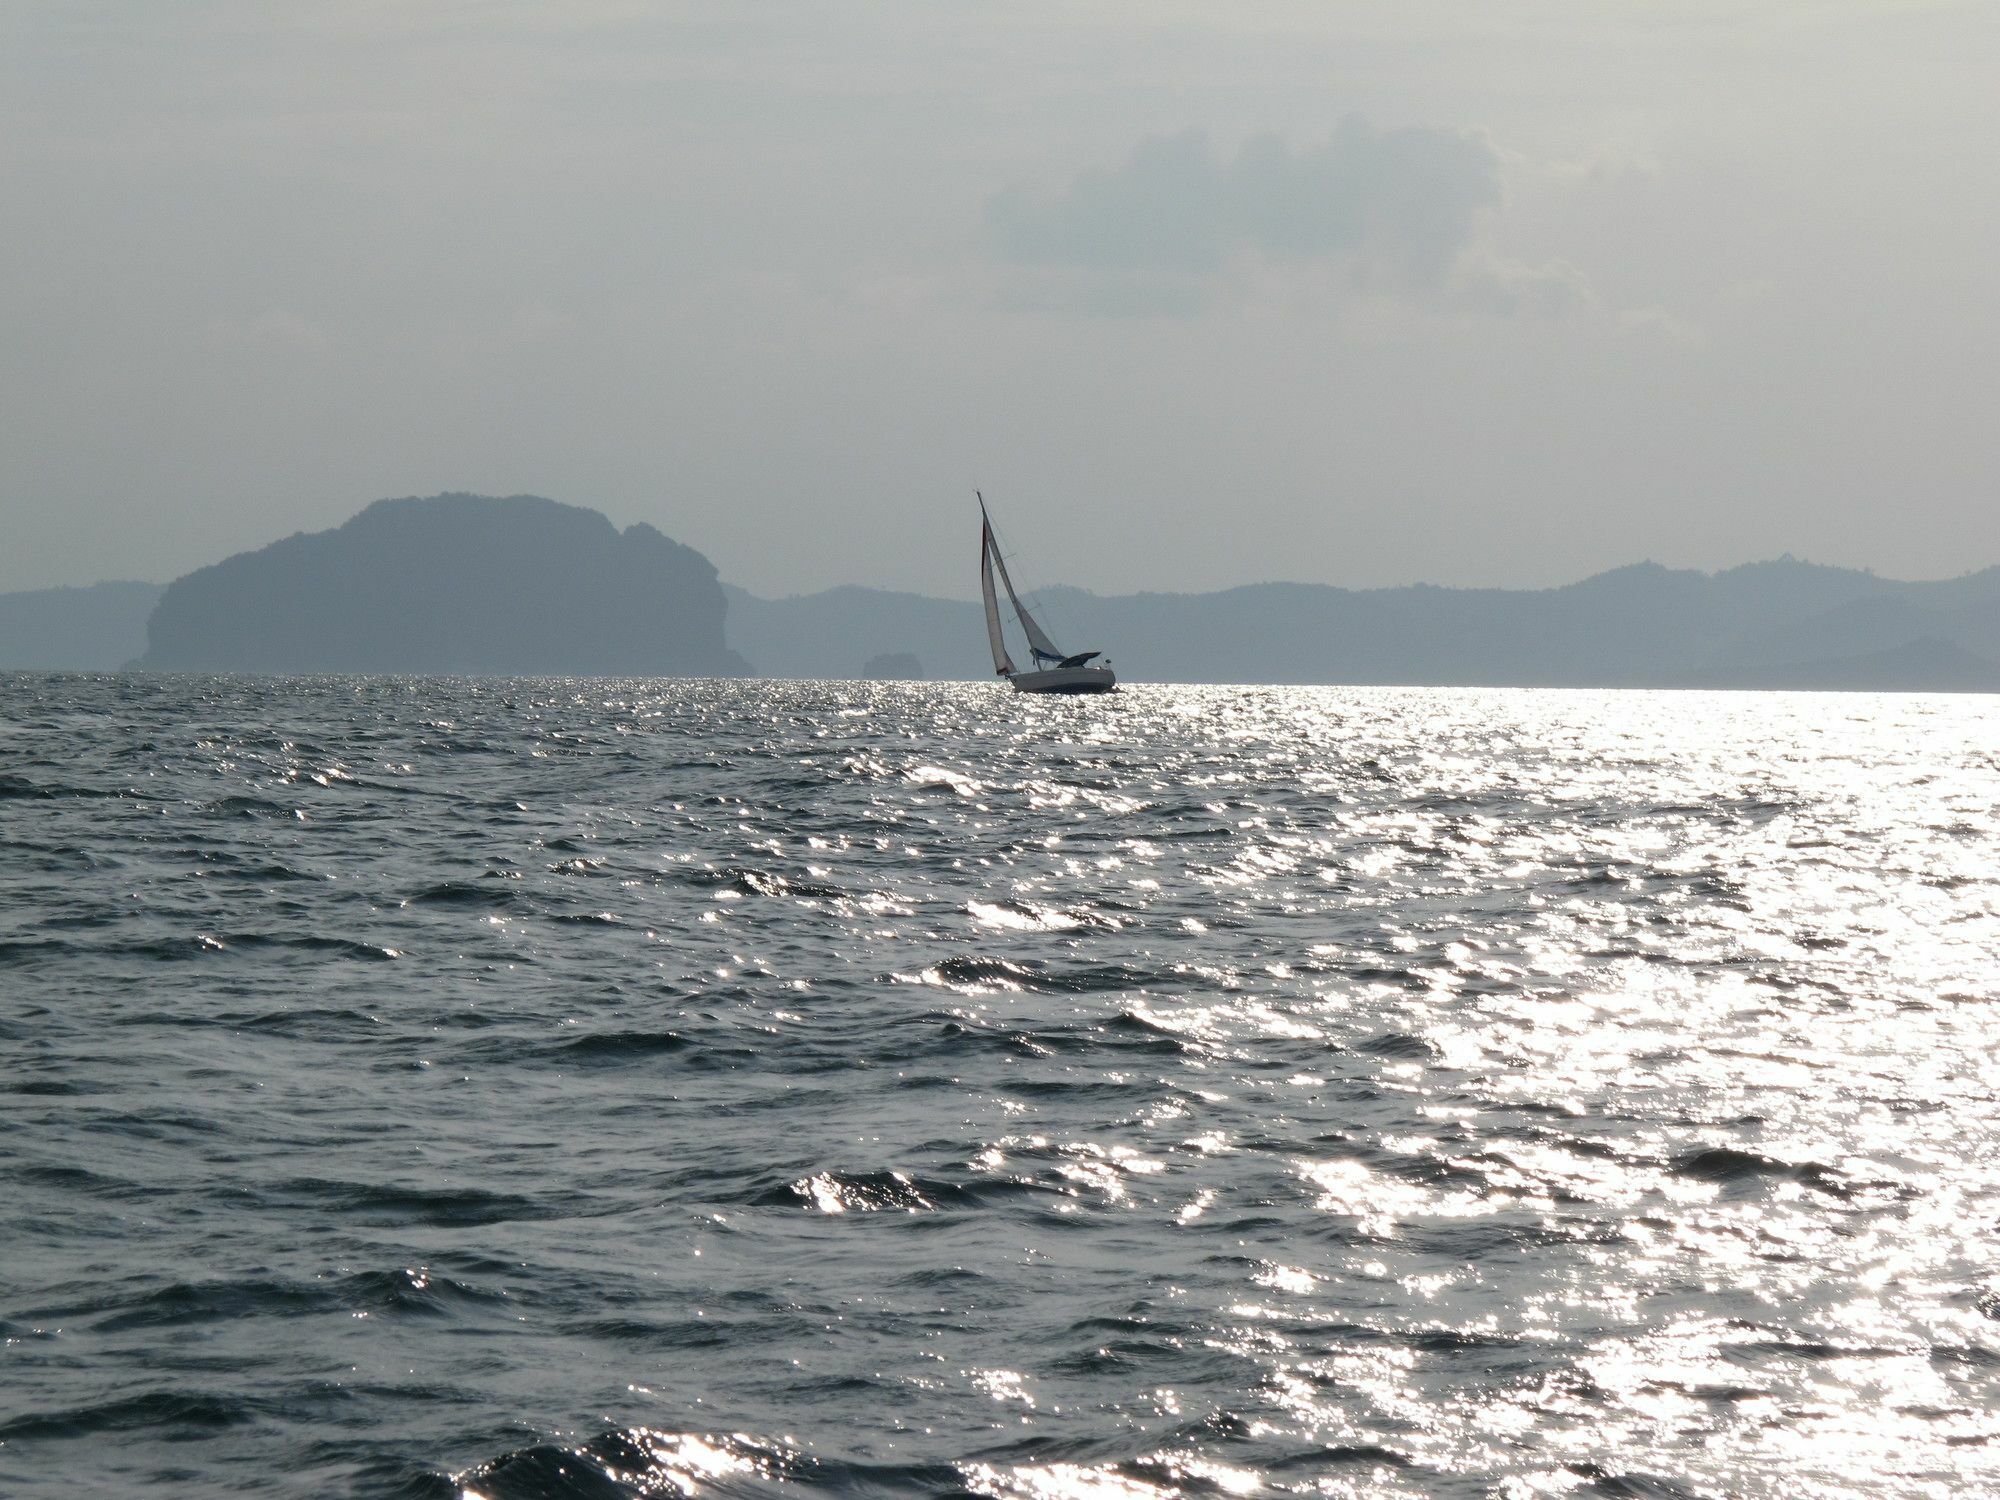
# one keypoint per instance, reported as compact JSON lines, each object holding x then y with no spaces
{"x":523,"y":585}
{"x":97,"y":628}
{"x":452,"y":584}
{"x":1777,"y":624}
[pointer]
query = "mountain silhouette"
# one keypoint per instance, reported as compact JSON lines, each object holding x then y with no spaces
{"x":1782,"y":623}
{"x":459,"y":583}
{"x":452,"y":584}
{"x":98,"y":628}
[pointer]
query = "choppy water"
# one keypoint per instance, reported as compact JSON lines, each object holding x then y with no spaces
{"x":604,"y":1089}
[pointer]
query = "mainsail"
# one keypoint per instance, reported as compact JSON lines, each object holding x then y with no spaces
{"x":1002,"y":662}
{"x":1039,"y":643}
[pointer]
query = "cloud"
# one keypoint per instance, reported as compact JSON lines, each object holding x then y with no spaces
{"x":1510,"y":288}
{"x":1397,"y":207}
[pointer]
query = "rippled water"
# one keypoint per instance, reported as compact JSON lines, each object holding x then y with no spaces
{"x":603,"y":1089}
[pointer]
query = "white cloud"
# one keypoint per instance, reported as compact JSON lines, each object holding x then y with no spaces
{"x":1398,"y":206}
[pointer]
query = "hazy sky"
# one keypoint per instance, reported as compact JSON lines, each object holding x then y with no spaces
{"x":1199,"y":294}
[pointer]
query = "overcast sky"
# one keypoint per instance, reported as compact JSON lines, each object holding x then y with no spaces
{"x":1199,"y":294}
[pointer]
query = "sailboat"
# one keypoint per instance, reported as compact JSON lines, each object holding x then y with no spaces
{"x":1053,"y":671}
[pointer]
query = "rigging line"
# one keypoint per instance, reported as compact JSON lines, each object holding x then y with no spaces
{"x":1039,"y":642}
{"x":1049,"y":611}
{"x":1032,"y":611}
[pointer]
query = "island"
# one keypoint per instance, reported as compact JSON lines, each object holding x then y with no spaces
{"x":448,"y":585}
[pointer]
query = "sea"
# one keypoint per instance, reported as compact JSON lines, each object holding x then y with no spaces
{"x":592,"y":1089}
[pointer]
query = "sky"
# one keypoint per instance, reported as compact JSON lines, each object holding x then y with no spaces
{"x":1199,"y":295}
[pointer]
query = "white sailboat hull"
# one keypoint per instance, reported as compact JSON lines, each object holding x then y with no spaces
{"x":1065,"y":680}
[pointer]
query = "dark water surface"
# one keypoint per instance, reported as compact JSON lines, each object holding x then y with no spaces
{"x":605,"y":1089}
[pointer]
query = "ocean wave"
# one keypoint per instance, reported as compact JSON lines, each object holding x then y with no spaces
{"x":764,"y":1088}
